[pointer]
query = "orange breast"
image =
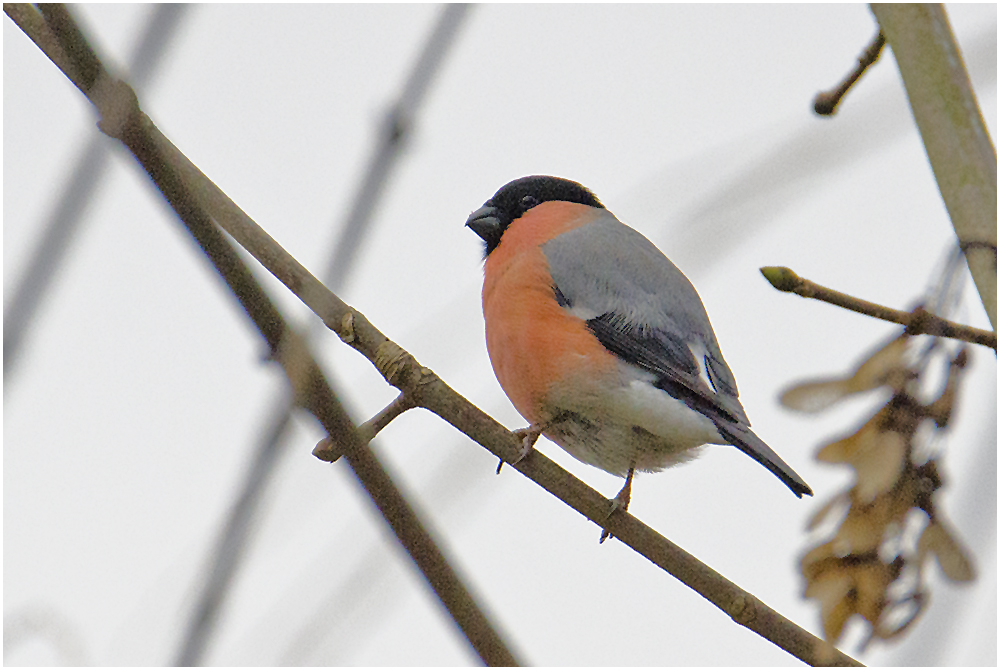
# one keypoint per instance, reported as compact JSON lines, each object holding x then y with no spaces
{"x":534,"y":344}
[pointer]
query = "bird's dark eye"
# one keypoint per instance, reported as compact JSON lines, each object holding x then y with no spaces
{"x":527,"y":202}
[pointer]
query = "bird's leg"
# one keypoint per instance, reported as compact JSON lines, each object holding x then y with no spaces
{"x":528,"y":437}
{"x":621,"y":500}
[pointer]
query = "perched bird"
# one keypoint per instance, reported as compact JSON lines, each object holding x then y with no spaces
{"x":599,"y":341}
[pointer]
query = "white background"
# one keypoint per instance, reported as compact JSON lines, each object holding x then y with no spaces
{"x":130,"y":418}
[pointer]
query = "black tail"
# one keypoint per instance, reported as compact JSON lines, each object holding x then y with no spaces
{"x":744,"y":439}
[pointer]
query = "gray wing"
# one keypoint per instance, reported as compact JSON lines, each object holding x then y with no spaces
{"x":646,"y":312}
{"x":643,"y":309}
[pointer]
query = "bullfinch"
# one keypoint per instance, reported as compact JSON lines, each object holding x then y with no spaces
{"x":600,"y":342}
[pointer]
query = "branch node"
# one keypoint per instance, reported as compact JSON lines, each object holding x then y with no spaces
{"x":117,"y":104}
{"x":346,"y":330}
{"x":743,"y":609}
{"x":967,"y":245}
{"x":391,"y":360}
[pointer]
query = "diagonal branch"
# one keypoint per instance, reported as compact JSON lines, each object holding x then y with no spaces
{"x":427,"y":390}
{"x":951,"y":126}
{"x":235,"y":532}
{"x":63,"y":223}
{"x":917,"y":322}
{"x":122,"y":118}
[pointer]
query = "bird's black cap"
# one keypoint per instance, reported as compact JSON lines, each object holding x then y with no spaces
{"x":517,"y":197}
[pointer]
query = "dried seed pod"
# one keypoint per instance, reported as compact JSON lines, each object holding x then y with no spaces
{"x":885,"y":366}
{"x":950,"y":554}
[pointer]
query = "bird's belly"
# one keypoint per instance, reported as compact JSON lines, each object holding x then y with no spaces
{"x":633,"y":422}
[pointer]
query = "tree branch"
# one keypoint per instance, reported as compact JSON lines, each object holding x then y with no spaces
{"x":186,"y":188}
{"x":958,"y":145}
{"x":63,"y":223}
{"x":395,"y":130}
{"x":133,"y":129}
{"x":329,"y":451}
{"x":917,"y":322}
{"x":825,"y":103}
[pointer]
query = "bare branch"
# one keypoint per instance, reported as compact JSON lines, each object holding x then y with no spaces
{"x":188,"y":190}
{"x":62,"y":224}
{"x":387,"y":152}
{"x":329,"y":451}
{"x":420,"y":384}
{"x":958,"y":145}
{"x":917,"y":322}
{"x":825,"y":103}
{"x":122,"y":118}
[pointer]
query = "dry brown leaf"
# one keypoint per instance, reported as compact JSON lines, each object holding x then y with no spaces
{"x":818,"y":560}
{"x":871,"y":581}
{"x":843,"y":450}
{"x":832,"y":590}
{"x":814,"y":396}
{"x":875,"y":371}
{"x":951,"y":556}
{"x":820,"y":516}
{"x":877,"y":456}
{"x":878,"y":369}
{"x":879,"y":466}
{"x":861,"y":532}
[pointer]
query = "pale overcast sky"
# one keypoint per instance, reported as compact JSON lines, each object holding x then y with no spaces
{"x":141,"y":387}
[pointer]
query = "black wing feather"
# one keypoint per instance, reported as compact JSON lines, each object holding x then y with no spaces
{"x":666,"y":356}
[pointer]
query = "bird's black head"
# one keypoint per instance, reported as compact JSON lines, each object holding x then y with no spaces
{"x":491,"y":220}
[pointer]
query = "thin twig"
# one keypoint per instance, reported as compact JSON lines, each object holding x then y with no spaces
{"x":69,"y":205}
{"x":370,"y":428}
{"x":397,"y":127}
{"x":917,"y":322}
{"x":825,"y":103}
{"x":273,"y":442}
{"x":402,"y":371}
{"x":134,"y":128}
{"x":954,"y":134}
{"x":329,"y":451}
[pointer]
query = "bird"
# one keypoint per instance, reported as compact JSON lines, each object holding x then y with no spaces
{"x":600,"y":342}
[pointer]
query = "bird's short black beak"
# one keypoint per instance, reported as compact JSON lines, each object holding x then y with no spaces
{"x":486,"y":222}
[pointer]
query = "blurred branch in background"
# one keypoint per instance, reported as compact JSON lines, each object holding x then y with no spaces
{"x":192,"y":194}
{"x":84,"y":181}
{"x":888,"y":523}
{"x":234,"y":533}
{"x":784,"y":170}
{"x":121,"y":118}
{"x":958,"y":145}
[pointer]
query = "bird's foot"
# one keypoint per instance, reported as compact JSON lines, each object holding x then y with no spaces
{"x":620,"y":501}
{"x":528,"y":437}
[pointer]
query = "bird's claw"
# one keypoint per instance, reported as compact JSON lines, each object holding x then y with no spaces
{"x":620,"y":501}
{"x":616,"y":504}
{"x":528,"y":437}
